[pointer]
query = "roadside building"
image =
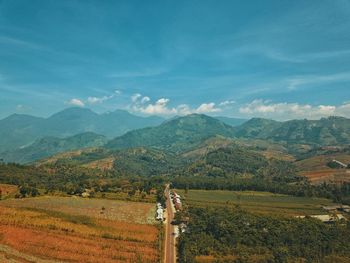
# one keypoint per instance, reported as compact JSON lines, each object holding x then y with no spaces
{"x":327,"y":218}
{"x":159,"y":212}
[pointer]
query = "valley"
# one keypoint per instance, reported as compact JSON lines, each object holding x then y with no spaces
{"x":188,"y":131}
{"x":242,"y":185}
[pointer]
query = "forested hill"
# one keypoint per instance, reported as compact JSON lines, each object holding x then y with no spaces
{"x":256,"y":128}
{"x":175,"y":135}
{"x":326,"y":131}
{"x":185,"y":132}
{"x":24,"y":138}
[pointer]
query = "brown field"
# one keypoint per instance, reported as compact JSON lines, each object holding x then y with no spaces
{"x":7,"y":190}
{"x":317,"y":171}
{"x":320,"y":162}
{"x":102,"y":164}
{"x":62,"y":237}
{"x":136,"y":212}
{"x":329,"y":175}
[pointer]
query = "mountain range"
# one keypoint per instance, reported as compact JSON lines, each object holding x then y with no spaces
{"x":20,"y":130}
{"x":326,"y":131}
{"x":49,"y":146}
{"x":25,"y":138}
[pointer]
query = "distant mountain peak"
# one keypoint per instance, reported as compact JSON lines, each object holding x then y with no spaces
{"x":75,"y":111}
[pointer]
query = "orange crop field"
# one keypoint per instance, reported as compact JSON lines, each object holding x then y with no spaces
{"x":29,"y":234}
{"x":7,"y":189}
{"x":137,"y":212}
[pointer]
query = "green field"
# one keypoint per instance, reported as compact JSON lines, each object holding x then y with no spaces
{"x":261,"y":202}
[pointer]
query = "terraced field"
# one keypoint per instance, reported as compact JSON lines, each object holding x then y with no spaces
{"x":260,"y":202}
{"x":52,"y":229}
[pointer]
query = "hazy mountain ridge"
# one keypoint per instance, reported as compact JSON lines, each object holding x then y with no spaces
{"x":48,"y":146}
{"x":177,"y":135}
{"x":20,"y":130}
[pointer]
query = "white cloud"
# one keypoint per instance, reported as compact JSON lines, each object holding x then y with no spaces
{"x":135,"y":97}
{"x":97,"y":100}
{"x":76,"y":102}
{"x":145,"y":99}
{"x":207,"y":108}
{"x":161,"y":107}
{"x":227,"y":103}
{"x":285,"y":111}
{"x":295,"y":82}
{"x":19,"y":107}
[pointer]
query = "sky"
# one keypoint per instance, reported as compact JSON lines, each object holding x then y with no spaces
{"x":274,"y":59}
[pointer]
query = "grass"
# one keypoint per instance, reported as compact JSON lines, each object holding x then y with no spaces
{"x":136,"y":212}
{"x":260,"y":202}
{"x":34,"y":232}
{"x":137,"y":197}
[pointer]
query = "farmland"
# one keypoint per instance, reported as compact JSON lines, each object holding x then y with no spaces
{"x":316,"y":170}
{"x":260,"y":202}
{"x":137,"y":212}
{"x":7,"y":190}
{"x":77,"y":230}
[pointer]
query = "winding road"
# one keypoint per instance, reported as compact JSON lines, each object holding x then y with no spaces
{"x":170,"y":239}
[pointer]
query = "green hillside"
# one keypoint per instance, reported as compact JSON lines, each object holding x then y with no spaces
{"x":175,"y":135}
{"x":257,"y":128}
{"x":145,"y":162}
{"x":326,"y":131}
{"x":231,"y":121}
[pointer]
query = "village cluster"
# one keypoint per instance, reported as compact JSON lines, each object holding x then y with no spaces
{"x":177,"y":205}
{"x":176,"y":200}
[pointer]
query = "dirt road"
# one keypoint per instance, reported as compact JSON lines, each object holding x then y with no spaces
{"x":170,"y":240}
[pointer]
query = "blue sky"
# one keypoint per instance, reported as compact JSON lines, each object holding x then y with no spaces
{"x":276,"y":59}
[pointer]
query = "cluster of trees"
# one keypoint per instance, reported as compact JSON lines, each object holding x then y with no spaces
{"x":72,"y":179}
{"x":233,"y":235}
{"x":238,"y":169}
{"x":25,"y":190}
